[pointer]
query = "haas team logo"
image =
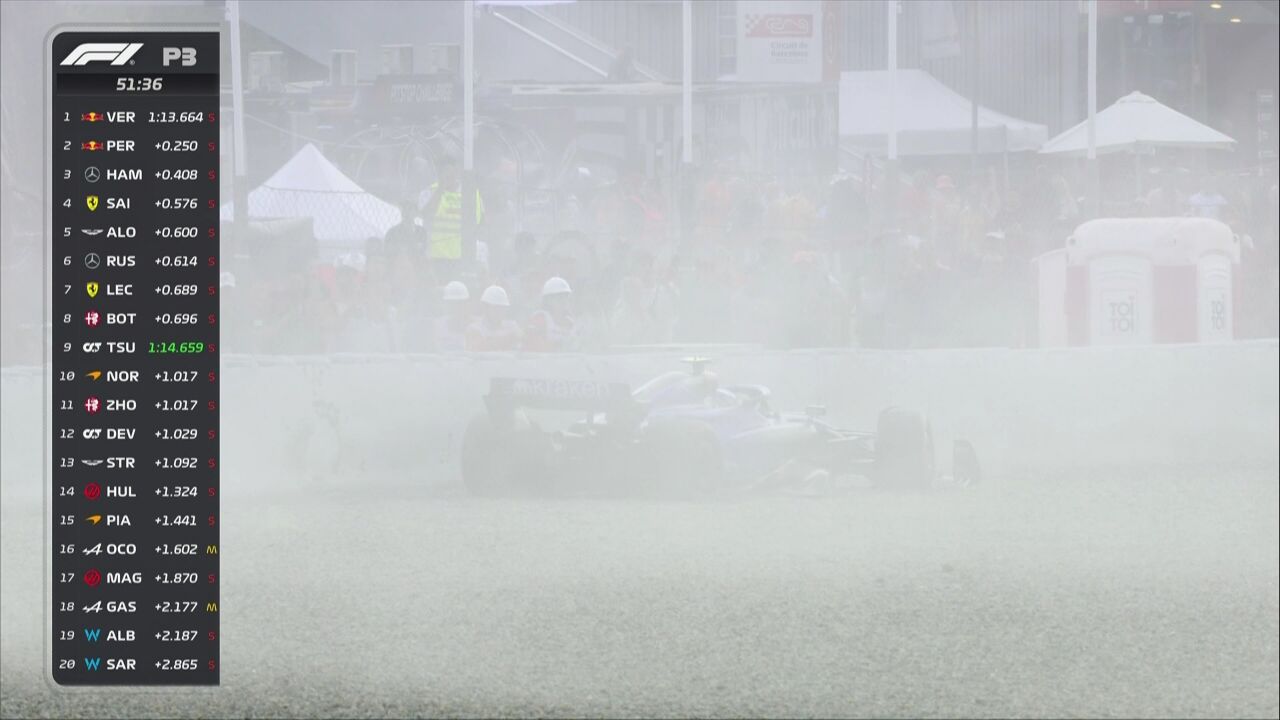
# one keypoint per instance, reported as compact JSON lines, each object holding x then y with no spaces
{"x":115,"y":53}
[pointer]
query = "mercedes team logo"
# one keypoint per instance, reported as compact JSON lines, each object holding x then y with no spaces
{"x":92,"y":261}
{"x":92,"y":174}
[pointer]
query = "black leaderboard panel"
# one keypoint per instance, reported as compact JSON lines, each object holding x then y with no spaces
{"x":135,"y":270}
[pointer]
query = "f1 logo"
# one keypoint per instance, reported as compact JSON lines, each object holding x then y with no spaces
{"x":115,"y":53}
{"x":186,"y":54}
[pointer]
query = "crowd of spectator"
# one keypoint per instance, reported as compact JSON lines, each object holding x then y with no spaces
{"x":942,"y":261}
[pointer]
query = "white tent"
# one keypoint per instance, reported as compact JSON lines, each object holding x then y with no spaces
{"x":931,"y":118}
{"x":1138,"y":123}
{"x":309,"y":186}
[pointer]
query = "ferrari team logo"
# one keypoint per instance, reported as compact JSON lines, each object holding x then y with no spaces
{"x":92,"y":202}
{"x":91,"y":288}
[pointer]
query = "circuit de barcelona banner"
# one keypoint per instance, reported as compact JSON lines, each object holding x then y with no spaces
{"x":780,"y":40}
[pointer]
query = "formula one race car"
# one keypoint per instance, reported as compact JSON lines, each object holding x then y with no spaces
{"x":683,"y":432}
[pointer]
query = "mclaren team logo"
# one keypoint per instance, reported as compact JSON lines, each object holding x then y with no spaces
{"x":115,"y":53}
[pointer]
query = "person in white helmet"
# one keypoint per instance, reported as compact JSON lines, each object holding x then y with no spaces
{"x":552,"y":328}
{"x":493,"y":331}
{"x":449,"y":330}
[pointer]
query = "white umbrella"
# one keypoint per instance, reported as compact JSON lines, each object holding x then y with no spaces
{"x":931,"y":118}
{"x":1139,"y":123}
{"x":309,"y":186}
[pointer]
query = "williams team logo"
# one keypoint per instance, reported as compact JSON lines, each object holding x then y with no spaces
{"x":114,"y":53}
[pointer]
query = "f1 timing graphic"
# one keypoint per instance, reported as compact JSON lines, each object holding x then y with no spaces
{"x":116,"y":53}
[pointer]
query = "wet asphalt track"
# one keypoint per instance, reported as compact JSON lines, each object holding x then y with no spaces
{"x":1116,"y":593}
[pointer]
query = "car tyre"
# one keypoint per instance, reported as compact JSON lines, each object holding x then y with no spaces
{"x":496,"y":461}
{"x":904,"y":450}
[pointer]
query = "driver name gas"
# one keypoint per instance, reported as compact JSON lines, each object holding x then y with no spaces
{"x":111,"y":606}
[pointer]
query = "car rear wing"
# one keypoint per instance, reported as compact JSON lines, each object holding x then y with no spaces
{"x":507,"y":394}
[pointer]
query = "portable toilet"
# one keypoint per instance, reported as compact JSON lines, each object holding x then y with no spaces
{"x":1132,"y":281}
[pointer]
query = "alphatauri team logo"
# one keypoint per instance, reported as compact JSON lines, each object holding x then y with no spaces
{"x":115,"y":53}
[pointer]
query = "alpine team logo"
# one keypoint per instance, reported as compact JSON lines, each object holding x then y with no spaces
{"x":115,"y":53}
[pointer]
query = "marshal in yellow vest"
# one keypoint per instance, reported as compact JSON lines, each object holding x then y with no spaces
{"x":446,"y":225}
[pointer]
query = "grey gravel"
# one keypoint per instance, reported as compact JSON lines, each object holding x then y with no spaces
{"x":1106,"y":593}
